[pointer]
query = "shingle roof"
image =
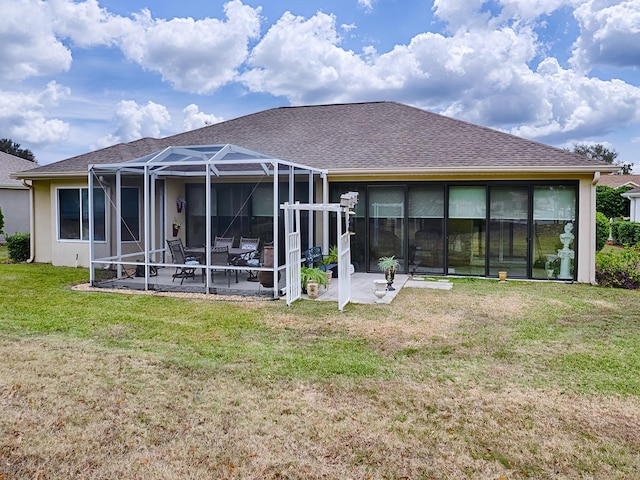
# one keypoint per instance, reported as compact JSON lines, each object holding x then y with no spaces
{"x":616,"y":181}
{"x":11,"y":164}
{"x":356,"y":137}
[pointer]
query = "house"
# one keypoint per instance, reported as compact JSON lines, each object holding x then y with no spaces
{"x":14,"y":195}
{"x":634,"y":203}
{"x":616,"y":181}
{"x":444,"y":196}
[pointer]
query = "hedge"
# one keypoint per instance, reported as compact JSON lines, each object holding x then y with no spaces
{"x":18,"y":246}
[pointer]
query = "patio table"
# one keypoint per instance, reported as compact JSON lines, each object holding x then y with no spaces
{"x":234,"y":258}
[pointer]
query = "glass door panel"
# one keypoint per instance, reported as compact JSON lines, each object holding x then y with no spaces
{"x":554,"y":213}
{"x":426,"y":229}
{"x":508,"y":220}
{"x":386,"y":225}
{"x":467,"y":230}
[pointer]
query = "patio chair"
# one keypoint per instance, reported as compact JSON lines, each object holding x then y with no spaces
{"x":224,"y":242}
{"x":220,"y":256}
{"x":177,"y":252}
{"x":247,"y":243}
{"x":312,"y":256}
{"x":248,"y":258}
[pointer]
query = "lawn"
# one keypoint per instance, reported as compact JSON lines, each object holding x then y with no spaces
{"x":488,"y":381}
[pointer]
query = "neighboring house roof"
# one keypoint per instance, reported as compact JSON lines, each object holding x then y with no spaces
{"x":633,"y":193}
{"x":357,"y":138}
{"x":616,"y":181}
{"x":11,"y":164}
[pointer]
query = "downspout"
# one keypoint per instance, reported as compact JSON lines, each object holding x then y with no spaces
{"x":592,"y":262}
{"x":32,"y":223}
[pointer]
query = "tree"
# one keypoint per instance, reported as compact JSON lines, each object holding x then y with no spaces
{"x":610,"y":201}
{"x":602,"y":153}
{"x":12,"y":148}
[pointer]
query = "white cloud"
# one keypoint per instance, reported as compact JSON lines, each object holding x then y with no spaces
{"x":23,"y":117}
{"x":460,"y":13}
{"x":194,"y":55}
{"x":29,"y":48}
{"x":194,"y":118}
{"x":322,"y":70}
{"x":480,"y":73}
{"x":134,"y":121}
{"x":366,"y":4}
{"x":610,"y":34}
{"x":87,"y":24}
{"x":580,"y":106}
{"x":431,"y":70}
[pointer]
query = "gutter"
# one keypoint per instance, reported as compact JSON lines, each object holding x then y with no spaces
{"x":32,"y":222}
{"x":470,"y":170}
{"x":46,"y":175}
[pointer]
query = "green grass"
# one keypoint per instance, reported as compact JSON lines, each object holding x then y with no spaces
{"x":562,"y":339}
{"x":37,"y":300}
{"x":4,"y":254}
{"x":577,"y":338}
{"x":488,"y":380}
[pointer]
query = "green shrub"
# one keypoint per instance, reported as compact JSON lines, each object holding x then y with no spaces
{"x":18,"y":246}
{"x":602,"y":230}
{"x":610,"y":201}
{"x":619,"y":269}
{"x":626,"y":233}
{"x":1,"y":221}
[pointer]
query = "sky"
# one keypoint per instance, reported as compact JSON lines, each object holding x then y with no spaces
{"x":76,"y":76}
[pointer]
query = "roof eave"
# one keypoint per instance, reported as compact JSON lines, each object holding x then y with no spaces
{"x":466,"y":171}
{"x":46,"y":175}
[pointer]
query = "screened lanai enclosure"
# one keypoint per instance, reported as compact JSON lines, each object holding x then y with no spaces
{"x":203,"y":219}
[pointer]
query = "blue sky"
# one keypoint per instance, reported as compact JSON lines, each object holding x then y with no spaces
{"x":76,"y":76}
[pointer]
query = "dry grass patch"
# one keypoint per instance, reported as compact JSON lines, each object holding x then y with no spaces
{"x":98,"y":414}
{"x":414,"y":319}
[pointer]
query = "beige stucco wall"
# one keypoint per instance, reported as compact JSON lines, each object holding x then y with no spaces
{"x":174,"y":190}
{"x":586,"y":232}
{"x":42,"y":234}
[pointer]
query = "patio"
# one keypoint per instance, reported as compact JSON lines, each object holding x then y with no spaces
{"x":221,"y":284}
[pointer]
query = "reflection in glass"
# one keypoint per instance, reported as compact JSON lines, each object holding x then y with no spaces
{"x":467,"y":230}
{"x":508,"y":230}
{"x":386,"y":225}
{"x":425,"y":229}
{"x":553,"y":208}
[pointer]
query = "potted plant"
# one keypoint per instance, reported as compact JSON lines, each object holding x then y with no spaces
{"x":329,"y":262}
{"x":389,"y":265}
{"x":308,"y":274}
{"x":176,"y":228}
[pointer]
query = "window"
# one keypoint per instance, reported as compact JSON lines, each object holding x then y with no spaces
{"x":130,"y":212}
{"x":73,"y":214}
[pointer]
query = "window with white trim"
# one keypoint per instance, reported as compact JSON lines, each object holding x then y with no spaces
{"x":73,"y":214}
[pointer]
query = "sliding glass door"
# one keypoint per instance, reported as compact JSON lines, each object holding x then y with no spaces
{"x":426,"y":229}
{"x":386,"y":224}
{"x":467,"y":230}
{"x":508,"y":220}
